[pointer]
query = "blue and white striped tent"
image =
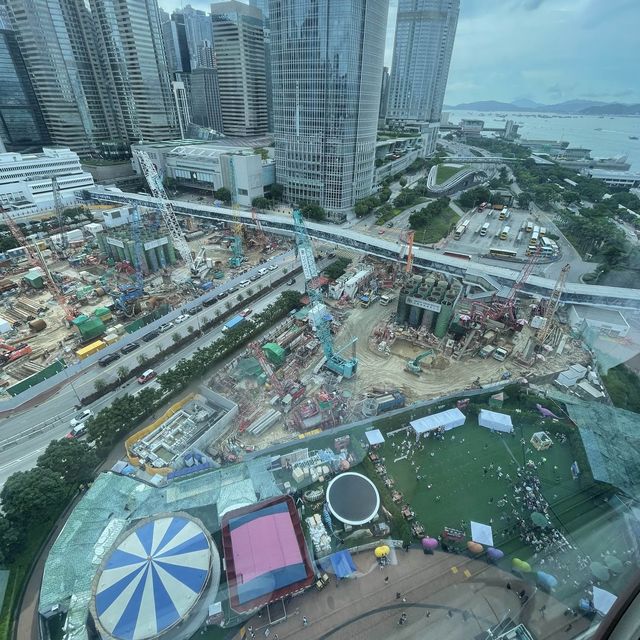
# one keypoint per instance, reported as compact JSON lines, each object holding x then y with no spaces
{"x":152,"y":578}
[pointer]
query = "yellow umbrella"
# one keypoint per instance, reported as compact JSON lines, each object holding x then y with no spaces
{"x":382,"y":551}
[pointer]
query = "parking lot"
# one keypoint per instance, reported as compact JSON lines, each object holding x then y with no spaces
{"x":474,"y":244}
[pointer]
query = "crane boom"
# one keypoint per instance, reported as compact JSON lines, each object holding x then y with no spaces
{"x":57,"y":205}
{"x":166,"y":209}
{"x":552,"y":305}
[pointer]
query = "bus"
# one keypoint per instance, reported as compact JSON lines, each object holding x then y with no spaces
{"x":504,"y":234}
{"x":455,"y":254}
{"x":535,"y":236}
{"x":502,"y":253}
{"x":529,"y":226}
{"x":548,"y":247}
{"x":536,"y":230}
{"x":460,"y":230}
{"x":519,"y":237}
{"x":543,"y":232}
{"x":504,"y":214}
{"x":484,"y":229}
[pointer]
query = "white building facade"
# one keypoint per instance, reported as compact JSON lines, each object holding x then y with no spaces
{"x":25,"y":180}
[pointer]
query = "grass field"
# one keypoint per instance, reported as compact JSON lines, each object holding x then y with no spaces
{"x":445,"y":172}
{"x":578,"y":508}
{"x":623,"y":386}
{"x":437,"y":228}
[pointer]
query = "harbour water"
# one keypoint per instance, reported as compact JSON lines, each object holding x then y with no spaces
{"x":606,"y":136}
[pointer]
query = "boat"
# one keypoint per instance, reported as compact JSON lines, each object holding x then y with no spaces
{"x":598,"y":128}
{"x":633,"y":137}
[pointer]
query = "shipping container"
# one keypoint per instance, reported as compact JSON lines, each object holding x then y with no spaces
{"x":90,"y":349}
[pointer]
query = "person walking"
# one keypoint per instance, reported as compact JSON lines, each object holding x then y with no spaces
{"x":386,"y":580}
{"x":305,"y":622}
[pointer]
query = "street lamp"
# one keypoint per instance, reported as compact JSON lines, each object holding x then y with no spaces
{"x":68,"y":378}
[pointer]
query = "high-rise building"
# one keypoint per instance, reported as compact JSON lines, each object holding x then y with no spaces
{"x":238,"y":38}
{"x":205,"y":99}
{"x":326,"y":62}
{"x":425,"y":31}
{"x":56,"y":39}
{"x":198,"y":30}
{"x":174,"y":35}
{"x":130,"y":42}
{"x":384,"y":93}
{"x":22,"y":126}
{"x":206,"y":55}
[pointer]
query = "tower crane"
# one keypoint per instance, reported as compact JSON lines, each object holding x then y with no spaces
{"x":166,"y":209}
{"x":260,"y":234}
{"x":267,"y":368}
{"x":334,"y":361}
{"x":57,"y":205}
{"x":237,"y":257}
{"x":131,"y":292}
{"x":552,"y":305}
{"x":36,"y":259}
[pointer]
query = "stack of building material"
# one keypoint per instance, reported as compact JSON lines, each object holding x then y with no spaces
{"x":264,"y":422}
{"x":319,"y":537}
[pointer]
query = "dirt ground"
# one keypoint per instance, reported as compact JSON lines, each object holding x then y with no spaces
{"x":378,"y":371}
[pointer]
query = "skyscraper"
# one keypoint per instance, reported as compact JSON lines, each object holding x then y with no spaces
{"x":174,"y":35}
{"x":326,"y":62}
{"x":238,"y":38}
{"x":56,"y":40}
{"x":131,"y":46}
{"x":205,"y":99}
{"x":425,"y":31}
{"x":384,"y":93}
{"x":21,"y":123}
{"x":198,"y":30}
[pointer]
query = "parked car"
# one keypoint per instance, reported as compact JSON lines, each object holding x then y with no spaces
{"x":151,"y":335}
{"x":181,"y":318}
{"x":165,"y":327}
{"x":195,"y":310}
{"x":108,"y":359}
{"x":272,"y":267}
{"x":244,"y":283}
{"x":132,"y":346}
{"x":389,"y":224}
{"x":247,"y":312}
{"x":81,"y":417}
{"x":149,"y":374}
{"x":254,"y":277}
{"x":290,"y":281}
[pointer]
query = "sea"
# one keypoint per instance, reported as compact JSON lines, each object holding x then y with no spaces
{"x":606,"y":136}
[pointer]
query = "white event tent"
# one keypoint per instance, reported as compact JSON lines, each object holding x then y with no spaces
{"x":374,"y":437}
{"x":446,"y":420}
{"x":495,"y":421}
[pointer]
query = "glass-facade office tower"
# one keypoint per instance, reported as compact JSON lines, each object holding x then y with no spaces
{"x":425,"y":32}
{"x":131,"y":46}
{"x":238,"y":39}
{"x":174,"y":35}
{"x":198,"y":29}
{"x":57,"y":42}
{"x":326,"y":62}
{"x":22,"y":126}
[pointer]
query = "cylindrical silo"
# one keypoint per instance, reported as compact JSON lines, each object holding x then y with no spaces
{"x":444,"y":318}
{"x":402,"y":311}
{"x":415,"y":313}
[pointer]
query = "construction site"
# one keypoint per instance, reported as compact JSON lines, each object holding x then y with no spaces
{"x":380,"y":337}
{"x":73,"y":289}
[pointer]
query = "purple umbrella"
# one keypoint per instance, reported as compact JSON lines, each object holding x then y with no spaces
{"x":429,"y":543}
{"x":495,"y":554}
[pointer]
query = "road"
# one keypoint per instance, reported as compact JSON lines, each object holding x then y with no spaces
{"x":25,"y":434}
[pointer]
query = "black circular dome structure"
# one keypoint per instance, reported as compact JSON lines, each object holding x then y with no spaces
{"x":352,"y":498}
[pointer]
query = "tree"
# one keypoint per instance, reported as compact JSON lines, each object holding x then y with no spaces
{"x":10,"y":540}
{"x":474,"y":196}
{"x":142,"y":358}
{"x":313,"y":211}
{"x":277,"y":191}
{"x":524,"y":199}
{"x":99,"y":385}
{"x":402,"y":181}
{"x":250,"y":291}
{"x":71,"y":460}
{"x":223,"y":194}
{"x":30,"y":497}
{"x":190,"y":329}
{"x":228,"y":305}
{"x":176,"y":337}
{"x":260,"y":202}
{"x":285,"y":271}
{"x":122,"y":373}
{"x":240,"y":297}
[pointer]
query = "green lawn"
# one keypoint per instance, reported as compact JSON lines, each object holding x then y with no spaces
{"x":437,"y":228}
{"x":388,"y":216}
{"x":446,"y":171}
{"x":454,"y":468}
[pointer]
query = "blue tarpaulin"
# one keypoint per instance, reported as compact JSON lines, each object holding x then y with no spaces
{"x":342,"y":563}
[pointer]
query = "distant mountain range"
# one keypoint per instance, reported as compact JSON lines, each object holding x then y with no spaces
{"x":582,"y":107}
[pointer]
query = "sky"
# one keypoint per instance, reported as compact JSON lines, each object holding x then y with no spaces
{"x":544,"y":50}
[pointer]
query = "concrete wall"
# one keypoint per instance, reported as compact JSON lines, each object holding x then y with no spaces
{"x":105,"y":173}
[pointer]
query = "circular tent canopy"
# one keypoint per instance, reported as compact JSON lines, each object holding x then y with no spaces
{"x":152,"y":578}
{"x":353,"y":498}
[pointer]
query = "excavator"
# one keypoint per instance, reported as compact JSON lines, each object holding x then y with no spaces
{"x":13,"y":352}
{"x":413,"y":366}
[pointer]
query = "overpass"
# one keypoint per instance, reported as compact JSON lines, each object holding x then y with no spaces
{"x":461,"y":180}
{"x":574,"y":293}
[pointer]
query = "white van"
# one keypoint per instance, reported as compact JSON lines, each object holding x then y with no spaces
{"x":244,"y":283}
{"x":263,"y":271}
